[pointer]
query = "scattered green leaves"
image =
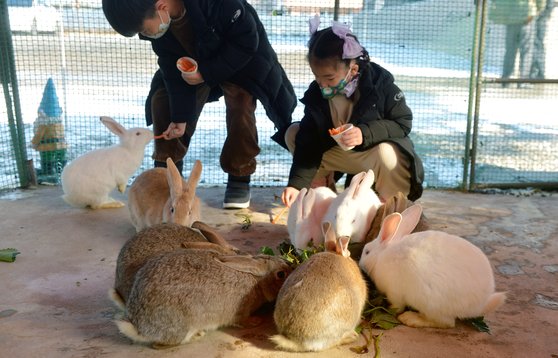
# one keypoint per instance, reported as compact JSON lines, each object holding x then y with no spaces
{"x":8,"y":255}
{"x":246,"y":221}
{"x":479,"y":324}
{"x":290,"y":253}
{"x":365,"y":348}
{"x":266,"y":250}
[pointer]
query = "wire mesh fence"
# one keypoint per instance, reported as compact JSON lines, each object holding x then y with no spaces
{"x":430,"y":46}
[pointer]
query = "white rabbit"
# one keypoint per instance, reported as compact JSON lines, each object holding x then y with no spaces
{"x":353,"y":210}
{"x":161,"y":195}
{"x":442,"y":276}
{"x":321,"y":302}
{"x":89,"y":179}
{"x":306,"y":214}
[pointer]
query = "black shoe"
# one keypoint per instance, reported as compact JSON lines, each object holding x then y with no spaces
{"x":237,"y":195}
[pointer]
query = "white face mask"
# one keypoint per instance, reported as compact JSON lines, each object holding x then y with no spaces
{"x":163,"y":27}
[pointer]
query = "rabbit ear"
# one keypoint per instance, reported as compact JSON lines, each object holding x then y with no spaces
{"x":354,"y":184}
{"x":242,"y":263}
{"x":342,"y":246}
{"x":329,"y":236}
{"x":401,"y":202}
{"x":389,"y":227}
{"x":113,"y":126}
{"x":409,"y":221}
{"x":365,"y":183}
{"x":195,"y":176}
{"x":396,"y":226}
{"x":212,"y":235}
{"x":299,"y":203}
{"x":308,"y":203}
{"x":174,"y":179}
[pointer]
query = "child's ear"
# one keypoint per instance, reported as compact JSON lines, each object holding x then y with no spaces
{"x":161,"y":5}
{"x":354,"y":68}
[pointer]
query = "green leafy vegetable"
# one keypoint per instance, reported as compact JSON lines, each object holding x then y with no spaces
{"x":246,"y":221}
{"x":266,"y":250}
{"x":479,"y":324}
{"x":8,"y":255}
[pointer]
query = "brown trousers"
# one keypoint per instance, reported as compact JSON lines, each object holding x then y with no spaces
{"x":238,"y":155}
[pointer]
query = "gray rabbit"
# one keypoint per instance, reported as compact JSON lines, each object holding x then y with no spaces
{"x":156,"y":240}
{"x":181,"y":294}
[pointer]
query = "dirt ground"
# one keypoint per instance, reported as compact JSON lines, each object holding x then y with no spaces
{"x":53,"y":298}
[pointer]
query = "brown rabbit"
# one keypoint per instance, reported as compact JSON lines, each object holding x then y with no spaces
{"x":161,"y":195}
{"x":321,"y":302}
{"x":157,"y":240}
{"x":181,"y":294}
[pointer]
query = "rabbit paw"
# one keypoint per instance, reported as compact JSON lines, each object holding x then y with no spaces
{"x":110,"y":205}
{"x":418,"y":320}
{"x":349,"y":337}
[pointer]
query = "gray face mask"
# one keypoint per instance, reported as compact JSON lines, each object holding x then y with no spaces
{"x":163,"y":27}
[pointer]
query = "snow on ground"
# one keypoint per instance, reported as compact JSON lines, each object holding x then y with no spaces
{"x":433,"y":76}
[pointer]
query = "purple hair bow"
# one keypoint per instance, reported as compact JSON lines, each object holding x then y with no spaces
{"x":314,"y":23}
{"x":351,"y":47}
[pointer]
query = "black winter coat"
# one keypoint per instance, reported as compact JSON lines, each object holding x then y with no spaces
{"x":381,"y":114}
{"x":231,"y":46}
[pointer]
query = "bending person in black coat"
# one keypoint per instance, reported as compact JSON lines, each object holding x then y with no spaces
{"x":235,"y":59}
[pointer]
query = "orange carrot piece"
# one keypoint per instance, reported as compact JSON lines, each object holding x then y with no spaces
{"x":274,"y":221}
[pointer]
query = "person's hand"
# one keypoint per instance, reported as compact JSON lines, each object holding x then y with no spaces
{"x":289,"y":195}
{"x":193,"y":78}
{"x":352,"y":137}
{"x":175,"y":130}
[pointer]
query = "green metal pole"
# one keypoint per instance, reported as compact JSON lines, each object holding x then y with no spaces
{"x":9,"y":85}
{"x":336,"y":10}
{"x":472,"y":95}
{"x":478,"y":89}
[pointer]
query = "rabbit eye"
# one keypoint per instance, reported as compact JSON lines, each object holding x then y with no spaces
{"x":138,"y":133}
{"x":366,"y":252}
{"x":281,"y":274}
{"x":172,"y":210}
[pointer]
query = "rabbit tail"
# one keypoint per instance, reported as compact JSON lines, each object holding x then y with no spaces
{"x":130,"y":331}
{"x":73,"y":201}
{"x":286,"y":344}
{"x":116,"y":299}
{"x":313,"y":345}
{"x":494,"y":301}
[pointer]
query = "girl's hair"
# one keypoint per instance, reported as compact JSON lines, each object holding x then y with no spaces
{"x":126,"y":17}
{"x":326,"y":47}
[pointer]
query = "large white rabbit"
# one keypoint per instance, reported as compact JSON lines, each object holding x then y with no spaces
{"x":352,"y":211}
{"x":161,"y":195}
{"x":304,"y":223}
{"x":442,"y":276}
{"x":89,"y":179}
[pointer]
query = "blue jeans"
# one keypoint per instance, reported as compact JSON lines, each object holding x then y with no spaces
{"x":519,"y":37}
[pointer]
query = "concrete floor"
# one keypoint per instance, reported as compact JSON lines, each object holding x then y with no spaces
{"x":53,"y":300}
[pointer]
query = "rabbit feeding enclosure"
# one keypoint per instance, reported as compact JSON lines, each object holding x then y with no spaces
{"x":61,"y":280}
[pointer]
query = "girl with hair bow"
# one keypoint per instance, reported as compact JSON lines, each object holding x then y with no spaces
{"x":350,"y":91}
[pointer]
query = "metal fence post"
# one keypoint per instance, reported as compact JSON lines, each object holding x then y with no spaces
{"x":11,"y":95}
